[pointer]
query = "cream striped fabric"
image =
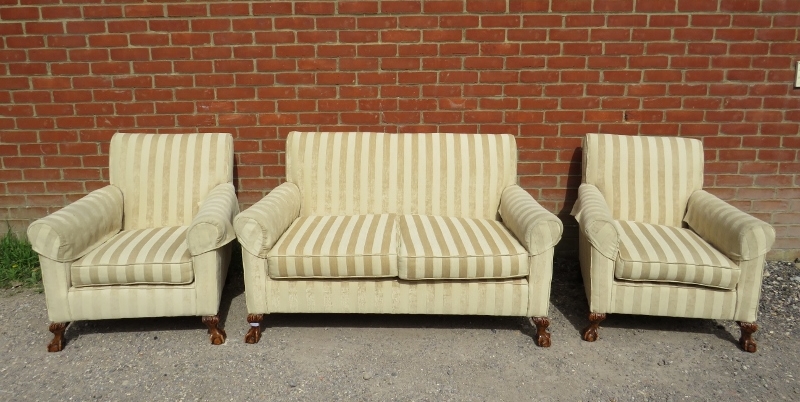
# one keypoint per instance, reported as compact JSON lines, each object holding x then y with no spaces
{"x":644,"y":179}
{"x":144,"y":256}
{"x":110,"y":302}
{"x":666,"y":254}
{"x":212,"y":227}
{"x":56,"y":282}
{"x":261,"y":225}
{"x":165,"y":177}
{"x":535,"y":227}
{"x":595,"y":221}
{"x":78,"y":228}
{"x":336,"y":246}
{"x":427,"y":174}
{"x":673,"y":301}
{"x":737,"y":234}
{"x":500,"y":298}
{"x":539,"y":280}
{"x":443,"y":247}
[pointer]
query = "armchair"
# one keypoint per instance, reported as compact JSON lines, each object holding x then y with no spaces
{"x":155,"y":242}
{"x":653,"y":242}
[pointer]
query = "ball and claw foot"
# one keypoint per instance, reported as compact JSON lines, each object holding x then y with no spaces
{"x":254,"y":333}
{"x":746,"y":341}
{"x":542,"y":336}
{"x":217,"y":334}
{"x":57,"y":344}
{"x":590,"y":333}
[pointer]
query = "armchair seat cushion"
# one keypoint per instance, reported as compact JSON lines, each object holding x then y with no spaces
{"x":443,"y":247}
{"x":658,"y":253}
{"x":143,"y":256}
{"x":336,"y":246}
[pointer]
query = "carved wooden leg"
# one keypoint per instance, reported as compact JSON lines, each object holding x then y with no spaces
{"x":590,"y":333}
{"x":217,"y":334}
{"x":57,"y":344}
{"x":254,"y":334}
{"x":542,"y":336}
{"x":746,"y":341}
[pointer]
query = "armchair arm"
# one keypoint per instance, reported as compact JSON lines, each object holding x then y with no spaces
{"x":738,"y":235}
{"x":212,"y":227}
{"x":78,"y":228}
{"x":261,"y":225}
{"x":537,"y":228}
{"x":595,"y":220}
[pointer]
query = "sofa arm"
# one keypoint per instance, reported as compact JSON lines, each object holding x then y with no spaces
{"x":595,"y":220}
{"x":738,"y":235}
{"x":212,"y":226}
{"x":537,"y":228}
{"x":73,"y":231}
{"x":261,"y":225}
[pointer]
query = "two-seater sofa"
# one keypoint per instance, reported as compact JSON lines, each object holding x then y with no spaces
{"x":400,"y":224}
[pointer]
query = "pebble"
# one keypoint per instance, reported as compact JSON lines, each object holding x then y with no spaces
{"x":367,"y":375}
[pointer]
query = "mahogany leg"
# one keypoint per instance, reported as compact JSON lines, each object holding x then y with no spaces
{"x":590,"y":333}
{"x":217,"y":334}
{"x":542,"y":336}
{"x":57,"y":344}
{"x":254,"y":334}
{"x":746,"y":341}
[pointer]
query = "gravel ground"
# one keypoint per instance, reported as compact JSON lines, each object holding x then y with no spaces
{"x":385,"y":357}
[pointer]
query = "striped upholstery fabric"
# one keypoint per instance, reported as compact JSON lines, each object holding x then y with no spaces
{"x":661,"y":253}
{"x":595,"y":221}
{"x":535,"y":227}
{"x":390,"y":296}
{"x":673,"y":300}
{"x":336,"y":246}
{"x":144,"y":256}
{"x":439,"y":247}
{"x":426,"y":174}
{"x":644,"y":179}
{"x":78,"y":228}
{"x":212,"y":227}
{"x":164,"y":178}
{"x":737,"y":234}
{"x":259,"y":227}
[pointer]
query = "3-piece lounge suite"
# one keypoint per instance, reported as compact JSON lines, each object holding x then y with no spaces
{"x":398,"y":224}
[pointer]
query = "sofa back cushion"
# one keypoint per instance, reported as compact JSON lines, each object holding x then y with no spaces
{"x":644,"y":179}
{"x":459,"y":175}
{"x":165,"y":177}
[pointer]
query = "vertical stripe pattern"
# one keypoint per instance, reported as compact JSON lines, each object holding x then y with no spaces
{"x":212,"y":226}
{"x":443,"y":247}
{"x":426,"y":174}
{"x":667,"y":254}
{"x":165,"y":177}
{"x":365,"y":296}
{"x":673,"y":300}
{"x":644,"y":179}
{"x":78,"y":228}
{"x":336,"y":246}
{"x":144,"y":256}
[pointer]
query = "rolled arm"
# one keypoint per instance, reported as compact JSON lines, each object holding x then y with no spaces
{"x":595,"y":220}
{"x":212,"y":226}
{"x":260,"y":226}
{"x":738,"y":235}
{"x":537,"y":228}
{"x":75,"y":230}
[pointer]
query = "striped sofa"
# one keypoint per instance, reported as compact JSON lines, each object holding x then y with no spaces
{"x":653,"y":242}
{"x":153,"y":243}
{"x":401,"y":224}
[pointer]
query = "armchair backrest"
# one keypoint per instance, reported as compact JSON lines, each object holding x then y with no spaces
{"x":459,"y":175}
{"x":644,"y":179}
{"x":165,"y":177}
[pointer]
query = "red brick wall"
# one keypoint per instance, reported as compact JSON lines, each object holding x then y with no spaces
{"x":74,"y":72}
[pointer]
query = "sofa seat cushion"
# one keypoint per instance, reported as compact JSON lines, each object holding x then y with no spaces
{"x":143,"y":256}
{"x":441,"y":247}
{"x":658,"y":253}
{"x":336,"y":246}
